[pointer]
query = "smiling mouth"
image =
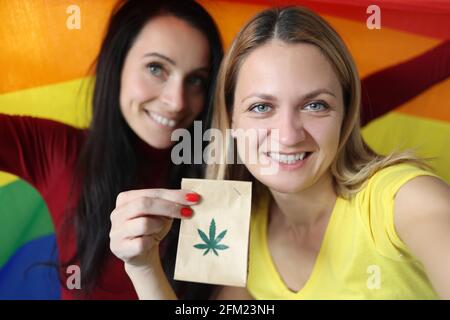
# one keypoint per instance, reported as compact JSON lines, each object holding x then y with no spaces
{"x":288,"y":158}
{"x":170,"y":123}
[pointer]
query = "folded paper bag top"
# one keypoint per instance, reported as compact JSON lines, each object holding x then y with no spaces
{"x":213,"y":244}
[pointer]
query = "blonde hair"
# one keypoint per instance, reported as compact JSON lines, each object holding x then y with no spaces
{"x":355,"y":162}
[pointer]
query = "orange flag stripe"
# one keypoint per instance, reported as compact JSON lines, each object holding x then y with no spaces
{"x":433,"y":103}
{"x":38,"y":48}
{"x":54,"y":53}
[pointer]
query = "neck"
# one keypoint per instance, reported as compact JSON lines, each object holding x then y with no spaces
{"x":307,"y":208}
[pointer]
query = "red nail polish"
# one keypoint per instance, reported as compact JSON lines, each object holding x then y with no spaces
{"x":186,"y":212}
{"x":192,"y":197}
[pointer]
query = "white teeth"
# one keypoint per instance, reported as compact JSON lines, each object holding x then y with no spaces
{"x":162,"y":120}
{"x":287,"y":158}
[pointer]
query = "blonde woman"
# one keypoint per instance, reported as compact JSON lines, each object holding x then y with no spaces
{"x":336,"y":220}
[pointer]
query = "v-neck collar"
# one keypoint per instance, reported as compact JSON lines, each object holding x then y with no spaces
{"x":318,"y":264}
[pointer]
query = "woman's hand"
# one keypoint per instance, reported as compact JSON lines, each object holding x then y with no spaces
{"x":141,"y":219}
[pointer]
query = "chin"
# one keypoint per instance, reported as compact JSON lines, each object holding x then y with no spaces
{"x":156,"y":141}
{"x":160,"y":145}
{"x":282,"y":188}
{"x":288,"y":185}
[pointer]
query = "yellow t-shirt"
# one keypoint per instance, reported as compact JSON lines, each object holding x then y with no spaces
{"x":361,"y":256}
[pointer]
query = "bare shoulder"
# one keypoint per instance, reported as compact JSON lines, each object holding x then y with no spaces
{"x":232,"y":293}
{"x":422,"y":212}
{"x":422,"y":221}
{"x":424,"y":197}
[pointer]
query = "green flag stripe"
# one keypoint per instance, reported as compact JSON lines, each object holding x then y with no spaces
{"x":23,"y":217}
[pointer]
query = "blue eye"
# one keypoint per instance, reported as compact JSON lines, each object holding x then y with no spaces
{"x":316,"y":106}
{"x":155,"y":69}
{"x":260,"y":108}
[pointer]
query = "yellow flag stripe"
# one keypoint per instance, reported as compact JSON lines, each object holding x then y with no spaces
{"x":397,"y":131}
{"x":66,"y":102}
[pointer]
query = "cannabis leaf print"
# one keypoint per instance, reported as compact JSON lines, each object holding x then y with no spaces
{"x":211,"y":243}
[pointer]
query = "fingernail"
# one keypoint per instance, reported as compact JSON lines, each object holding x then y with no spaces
{"x":186,"y":212}
{"x":192,"y":197}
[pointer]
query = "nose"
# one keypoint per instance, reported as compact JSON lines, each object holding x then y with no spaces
{"x":290,"y":126}
{"x":173,"y":95}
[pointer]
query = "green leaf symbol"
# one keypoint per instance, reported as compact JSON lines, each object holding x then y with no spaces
{"x":211,"y":243}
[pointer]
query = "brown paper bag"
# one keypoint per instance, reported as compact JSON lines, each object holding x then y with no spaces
{"x":213,"y":244}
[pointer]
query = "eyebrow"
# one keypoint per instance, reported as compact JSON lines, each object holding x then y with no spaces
{"x":172,"y":62}
{"x":309,"y":95}
{"x":161,"y":56}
